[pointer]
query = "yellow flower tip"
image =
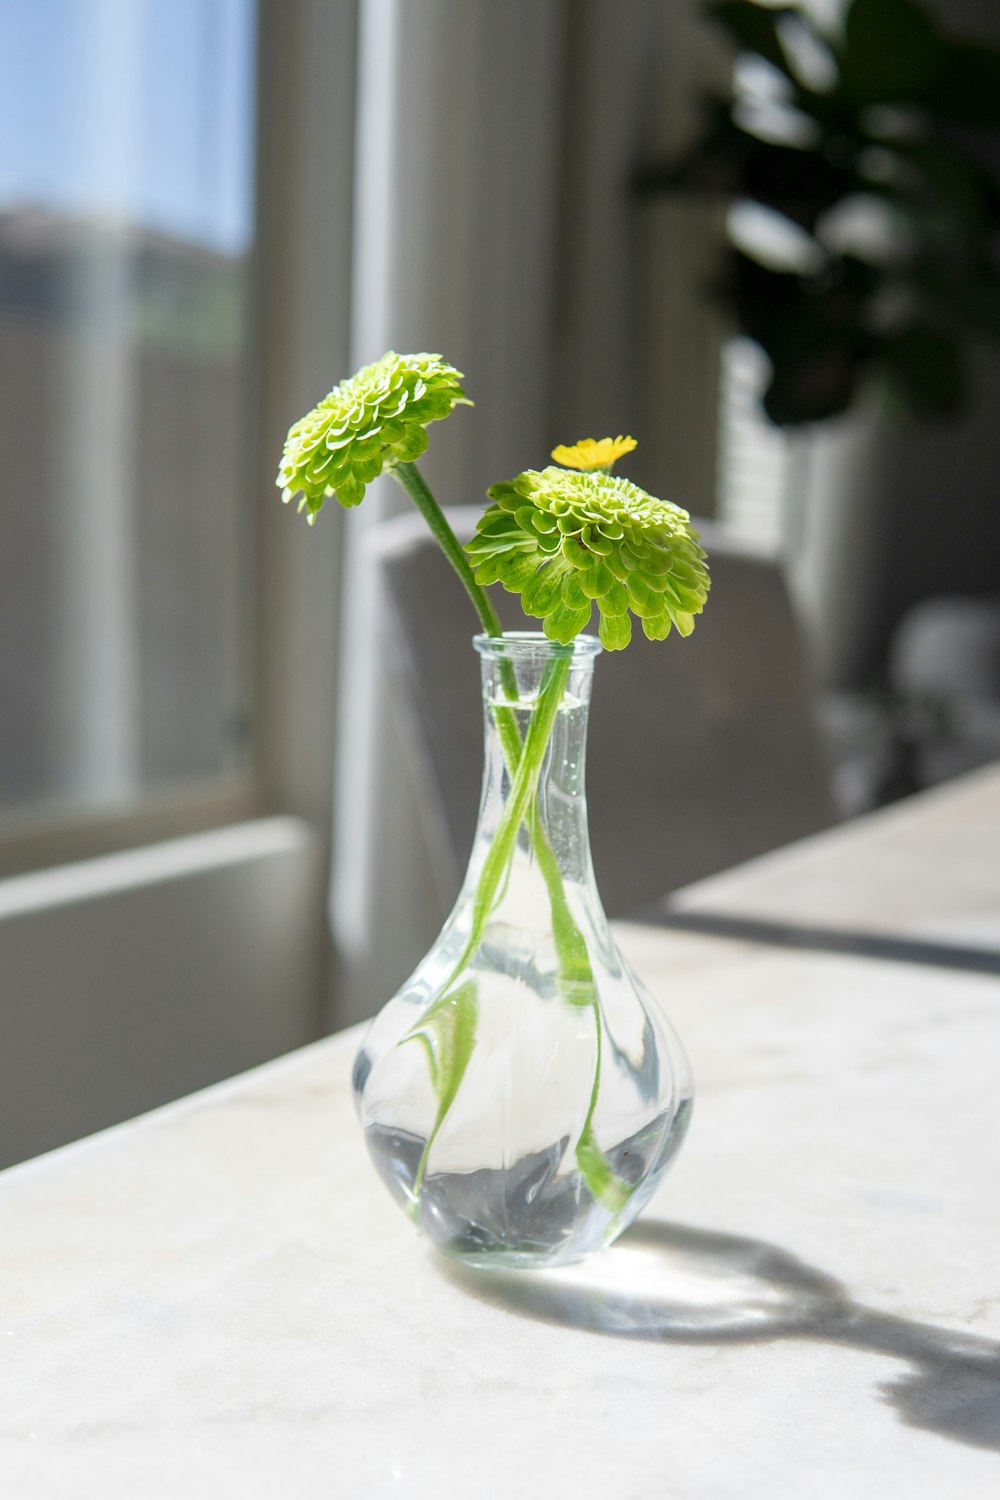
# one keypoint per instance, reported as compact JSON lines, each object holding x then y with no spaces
{"x":589,"y":453}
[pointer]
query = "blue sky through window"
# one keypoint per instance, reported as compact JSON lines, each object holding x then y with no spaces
{"x":134,"y":109}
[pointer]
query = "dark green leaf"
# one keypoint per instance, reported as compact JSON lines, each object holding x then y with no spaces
{"x":926,"y":366}
{"x":971,"y":296}
{"x":891,"y":52}
{"x":821,"y":384}
{"x":966,"y":90}
{"x":731,"y":162}
{"x":947,"y":182}
{"x":752,"y":28}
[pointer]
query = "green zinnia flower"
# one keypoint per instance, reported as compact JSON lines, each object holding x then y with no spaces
{"x":565,"y":541}
{"x":372,"y":420}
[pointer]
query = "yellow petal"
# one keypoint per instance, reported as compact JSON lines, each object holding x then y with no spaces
{"x":590,"y":453}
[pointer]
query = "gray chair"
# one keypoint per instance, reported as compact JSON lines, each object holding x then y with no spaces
{"x":702,"y":752}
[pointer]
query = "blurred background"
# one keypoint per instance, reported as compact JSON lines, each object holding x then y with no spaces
{"x":763,"y":240}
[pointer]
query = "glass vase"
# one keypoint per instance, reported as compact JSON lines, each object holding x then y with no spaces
{"x":522,"y":1095}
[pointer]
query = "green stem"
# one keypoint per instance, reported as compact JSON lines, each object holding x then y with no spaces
{"x":571,"y":949}
{"x":578,"y":986}
{"x":575,"y":971}
{"x":495,"y":865}
{"x":416,"y":486}
{"x":522,"y":790}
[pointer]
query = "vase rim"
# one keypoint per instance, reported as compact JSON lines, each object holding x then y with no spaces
{"x":533,"y":642}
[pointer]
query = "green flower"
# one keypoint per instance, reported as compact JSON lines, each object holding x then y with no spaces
{"x":565,"y":540}
{"x":370,"y":421}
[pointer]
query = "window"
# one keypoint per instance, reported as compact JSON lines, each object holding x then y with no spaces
{"x":158,"y":607}
{"x":754,"y":457}
{"x":126,"y":227}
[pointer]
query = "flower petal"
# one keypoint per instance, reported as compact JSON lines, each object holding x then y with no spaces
{"x":378,"y":415}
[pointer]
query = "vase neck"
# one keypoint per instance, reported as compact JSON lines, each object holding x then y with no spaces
{"x":525,"y":676}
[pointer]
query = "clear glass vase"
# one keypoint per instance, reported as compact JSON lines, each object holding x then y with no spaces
{"x":523,"y":1094}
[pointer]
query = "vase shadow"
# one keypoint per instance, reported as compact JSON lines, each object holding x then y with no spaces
{"x":670,"y":1283}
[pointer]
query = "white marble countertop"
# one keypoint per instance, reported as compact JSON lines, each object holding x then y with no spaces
{"x":925,"y":870}
{"x":220,"y":1300}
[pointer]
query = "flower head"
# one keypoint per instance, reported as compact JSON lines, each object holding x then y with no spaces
{"x":589,"y":453}
{"x":373,"y":419}
{"x":565,"y":541}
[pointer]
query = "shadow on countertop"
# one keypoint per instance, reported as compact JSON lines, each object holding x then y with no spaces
{"x":668,"y":1283}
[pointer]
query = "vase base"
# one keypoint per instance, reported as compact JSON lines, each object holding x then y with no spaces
{"x":533,"y":1214}
{"x":495,"y":1261}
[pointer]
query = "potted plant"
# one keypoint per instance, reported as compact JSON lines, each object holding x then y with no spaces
{"x":863,"y":160}
{"x":522,"y":1094}
{"x":858,"y":159}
